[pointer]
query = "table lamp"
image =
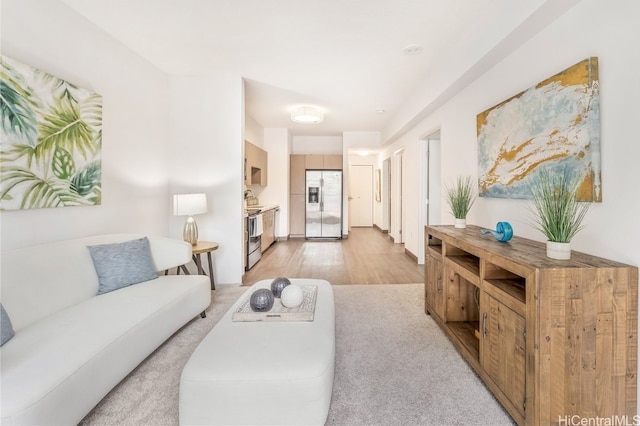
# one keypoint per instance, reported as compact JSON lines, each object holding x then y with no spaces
{"x":189,"y":205}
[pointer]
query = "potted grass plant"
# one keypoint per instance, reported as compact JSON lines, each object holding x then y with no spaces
{"x":557,"y":213}
{"x":461,"y":196}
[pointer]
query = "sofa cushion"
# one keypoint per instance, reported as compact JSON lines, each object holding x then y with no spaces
{"x":6,"y":329}
{"x":122,"y":264}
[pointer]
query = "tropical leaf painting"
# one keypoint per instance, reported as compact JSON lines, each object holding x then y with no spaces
{"x":50,"y":140}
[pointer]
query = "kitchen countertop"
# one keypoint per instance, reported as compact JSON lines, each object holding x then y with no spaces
{"x":262,"y":208}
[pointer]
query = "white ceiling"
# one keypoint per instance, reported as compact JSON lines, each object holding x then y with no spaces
{"x":343,"y":56}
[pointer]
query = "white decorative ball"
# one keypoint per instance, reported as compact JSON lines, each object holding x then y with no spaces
{"x":292,"y":296}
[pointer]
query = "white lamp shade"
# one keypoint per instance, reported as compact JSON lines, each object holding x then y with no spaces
{"x":189,"y":204}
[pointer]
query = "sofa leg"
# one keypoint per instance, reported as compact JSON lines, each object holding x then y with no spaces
{"x":203,"y":314}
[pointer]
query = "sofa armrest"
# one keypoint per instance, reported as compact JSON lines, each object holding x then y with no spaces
{"x":169,"y":253}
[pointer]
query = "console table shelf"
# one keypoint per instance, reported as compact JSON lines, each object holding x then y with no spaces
{"x":551,"y":339}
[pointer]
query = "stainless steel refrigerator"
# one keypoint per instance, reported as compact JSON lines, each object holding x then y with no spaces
{"x":323,"y":204}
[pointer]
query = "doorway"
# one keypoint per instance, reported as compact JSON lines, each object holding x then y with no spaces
{"x":430,"y":186}
{"x":361,"y":196}
{"x":386,"y":195}
{"x":397,"y":196}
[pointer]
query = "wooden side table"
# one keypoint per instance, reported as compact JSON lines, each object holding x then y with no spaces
{"x":196,"y":251}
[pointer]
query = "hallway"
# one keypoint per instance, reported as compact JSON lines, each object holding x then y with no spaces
{"x":366,"y":257}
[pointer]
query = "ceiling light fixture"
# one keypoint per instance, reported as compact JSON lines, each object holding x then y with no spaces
{"x":307,"y":114}
{"x":412,"y":49}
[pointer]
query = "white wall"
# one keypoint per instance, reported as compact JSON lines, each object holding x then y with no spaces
{"x":253,"y":131}
{"x":591,"y":28}
{"x":135,"y":154}
{"x":277,"y":142}
{"x":325,"y":145}
{"x":207,"y":138}
{"x":410,"y":191}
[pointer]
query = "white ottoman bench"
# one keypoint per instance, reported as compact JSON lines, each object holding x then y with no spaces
{"x":263,"y":373}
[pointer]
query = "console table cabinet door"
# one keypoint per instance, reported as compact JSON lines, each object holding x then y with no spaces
{"x":435,"y":297}
{"x":503,"y":349}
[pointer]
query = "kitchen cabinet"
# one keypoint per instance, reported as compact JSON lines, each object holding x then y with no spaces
{"x":332,"y":162}
{"x":255,"y":165}
{"x":314,"y":162}
{"x":551,"y":339}
{"x":323,"y":162}
{"x":297,"y":175}
{"x":297,"y":216}
{"x":268,"y":229}
{"x":297,"y":164}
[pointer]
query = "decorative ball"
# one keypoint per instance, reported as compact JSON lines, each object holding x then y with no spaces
{"x":261,"y":300}
{"x":292,"y":296}
{"x":278,"y":285}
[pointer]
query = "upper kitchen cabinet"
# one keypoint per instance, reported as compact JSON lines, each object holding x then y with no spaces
{"x":323,"y":162}
{"x":332,"y":162}
{"x":255,"y":165}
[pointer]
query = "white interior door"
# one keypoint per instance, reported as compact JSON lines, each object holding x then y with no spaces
{"x":397,"y":213}
{"x":386,"y":195}
{"x":361,"y":195}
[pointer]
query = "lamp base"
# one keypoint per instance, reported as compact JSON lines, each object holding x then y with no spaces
{"x":190,"y":232}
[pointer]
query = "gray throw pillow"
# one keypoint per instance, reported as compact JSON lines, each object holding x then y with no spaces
{"x":122,"y":264}
{"x":6,"y":329}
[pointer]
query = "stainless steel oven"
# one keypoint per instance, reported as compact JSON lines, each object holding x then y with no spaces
{"x":253,"y":239}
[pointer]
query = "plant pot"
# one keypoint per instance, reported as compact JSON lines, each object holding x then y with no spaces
{"x":460,"y":223}
{"x":561,"y":251}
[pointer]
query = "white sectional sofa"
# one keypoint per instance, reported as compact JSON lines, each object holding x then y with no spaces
{"x":72,"y":346}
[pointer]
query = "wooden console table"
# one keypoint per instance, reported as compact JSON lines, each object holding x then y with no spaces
{"x":552,"y":339}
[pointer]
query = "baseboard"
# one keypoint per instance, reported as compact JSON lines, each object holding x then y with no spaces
{"x":282,"y":238}
{"x":411,"y":255}
{"x":391,"y":238}
{"x":302,"y":237}
{"x":384,"y":231}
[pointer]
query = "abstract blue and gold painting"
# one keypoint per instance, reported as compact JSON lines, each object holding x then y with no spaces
{"x":555,"y":124}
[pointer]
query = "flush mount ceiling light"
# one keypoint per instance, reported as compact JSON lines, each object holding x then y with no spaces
{"x":307,"y":114}
{"x":412,"y":49}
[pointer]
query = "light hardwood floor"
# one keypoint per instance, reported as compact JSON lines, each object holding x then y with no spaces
{"x":367,"y":257}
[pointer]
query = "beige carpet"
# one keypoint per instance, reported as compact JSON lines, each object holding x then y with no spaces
{"x":394,"y":366}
